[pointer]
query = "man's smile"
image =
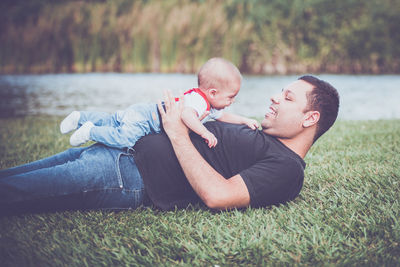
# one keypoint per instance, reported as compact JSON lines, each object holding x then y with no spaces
{"x":271,"y":112}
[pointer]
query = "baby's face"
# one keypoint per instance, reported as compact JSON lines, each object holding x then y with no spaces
{"x":222,"y":98}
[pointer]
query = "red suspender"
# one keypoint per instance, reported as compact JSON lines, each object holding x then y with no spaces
{"x":197,"y":90}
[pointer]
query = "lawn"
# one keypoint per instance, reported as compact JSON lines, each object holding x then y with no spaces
{"x":347,"y":213}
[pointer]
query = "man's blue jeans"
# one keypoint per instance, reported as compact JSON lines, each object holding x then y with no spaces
{"x":124,"y":127}
{"x":94,"y":177}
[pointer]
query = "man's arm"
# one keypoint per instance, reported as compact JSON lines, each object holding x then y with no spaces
{"x":213,"y":189}
{"x":237,"y":119}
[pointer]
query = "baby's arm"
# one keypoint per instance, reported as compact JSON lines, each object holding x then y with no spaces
{"x":190,"y":118}
{"x":233,"y":118}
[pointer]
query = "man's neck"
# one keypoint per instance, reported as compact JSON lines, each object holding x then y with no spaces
{"x":297,"y":145}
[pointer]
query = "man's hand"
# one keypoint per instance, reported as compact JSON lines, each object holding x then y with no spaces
{"x":210,"y":138}
{"x":171,"y":116}
{"x":252,"y":124}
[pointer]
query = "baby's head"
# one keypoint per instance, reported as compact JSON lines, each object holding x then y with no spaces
{"x":220,"y":81}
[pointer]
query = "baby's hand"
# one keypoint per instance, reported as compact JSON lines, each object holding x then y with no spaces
{"x":253,"y":124}
{"x":211,"y":140}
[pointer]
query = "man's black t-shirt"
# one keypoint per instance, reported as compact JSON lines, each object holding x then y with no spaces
{"x":272,"y":172}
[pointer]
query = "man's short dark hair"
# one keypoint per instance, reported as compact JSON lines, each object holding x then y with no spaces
{"x":324,"y":98}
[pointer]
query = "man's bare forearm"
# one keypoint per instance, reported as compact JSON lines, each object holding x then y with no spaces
{"x":215,"y":191}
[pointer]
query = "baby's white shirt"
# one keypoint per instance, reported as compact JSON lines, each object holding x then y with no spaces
{"x":199,"y":104}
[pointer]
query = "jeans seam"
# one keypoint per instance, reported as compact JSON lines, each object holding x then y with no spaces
{"x":121,"y":185}
{"x":91,"y":190}
{"x":112,"y":188}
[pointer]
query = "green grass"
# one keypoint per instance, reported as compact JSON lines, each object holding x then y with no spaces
{"x":347,"y":213}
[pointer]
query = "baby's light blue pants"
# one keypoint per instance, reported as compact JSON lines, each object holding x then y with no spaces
{"x":124,"y":127}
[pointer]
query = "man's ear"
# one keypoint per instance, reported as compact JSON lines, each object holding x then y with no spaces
{"x":311,"y":118}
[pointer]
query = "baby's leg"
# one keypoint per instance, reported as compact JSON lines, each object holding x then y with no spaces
{"x":135,"y":122}
{"x":77,"y":118}
{"x":119,"y":137}
{"x":98,"y":118}
{"x":88,"y":120}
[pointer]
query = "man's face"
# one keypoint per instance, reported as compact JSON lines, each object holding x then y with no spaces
{"x":285,"y":116}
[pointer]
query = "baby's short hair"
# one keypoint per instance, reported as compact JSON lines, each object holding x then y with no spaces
{"x":218,"y":73}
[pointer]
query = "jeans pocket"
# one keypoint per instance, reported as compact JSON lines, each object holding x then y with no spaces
{"x":128,"y":173}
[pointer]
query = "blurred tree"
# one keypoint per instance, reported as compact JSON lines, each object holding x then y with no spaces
{"x":260,"y":36}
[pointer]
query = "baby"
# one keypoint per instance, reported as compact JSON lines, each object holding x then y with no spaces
{"x":218,"y":84}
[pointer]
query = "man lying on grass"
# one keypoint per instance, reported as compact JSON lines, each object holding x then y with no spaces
{"x":176,"y":168}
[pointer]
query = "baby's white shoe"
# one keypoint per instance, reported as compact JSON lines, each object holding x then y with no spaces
{"x":82,"y":135}
{"x":70,"y":122}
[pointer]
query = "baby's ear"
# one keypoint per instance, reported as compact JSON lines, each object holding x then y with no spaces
{"x":212,"y":91}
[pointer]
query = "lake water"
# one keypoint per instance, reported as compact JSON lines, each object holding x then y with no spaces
{"x":363,"y":97}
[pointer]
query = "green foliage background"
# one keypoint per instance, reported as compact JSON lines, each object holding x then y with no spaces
{"x":261,"y":37}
